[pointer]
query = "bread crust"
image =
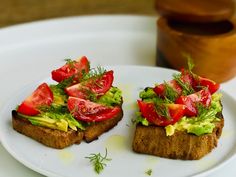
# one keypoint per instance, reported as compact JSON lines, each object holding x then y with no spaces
{"x":60,"y":139}
{"x":95,"y":130}
{"x":181,"y":145}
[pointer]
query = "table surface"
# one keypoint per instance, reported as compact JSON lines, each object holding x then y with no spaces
{"x":18,"y":11}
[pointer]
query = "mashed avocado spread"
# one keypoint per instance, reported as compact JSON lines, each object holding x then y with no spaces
{"x":204,"y":123}
{"x":112,"y":97}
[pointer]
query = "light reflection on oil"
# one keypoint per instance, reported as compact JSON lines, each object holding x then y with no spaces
{"x":66,"y":156}
{"x":116,"y":143}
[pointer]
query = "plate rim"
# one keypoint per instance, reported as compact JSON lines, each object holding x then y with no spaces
{"x":75,"y":17}
{"x":20,"y":31}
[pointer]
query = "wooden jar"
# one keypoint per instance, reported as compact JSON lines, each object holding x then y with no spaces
{"x":212,"y":44}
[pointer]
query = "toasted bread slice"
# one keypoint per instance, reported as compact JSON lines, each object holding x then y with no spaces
{"x":60,"y":139}
{"x":182,"y":145}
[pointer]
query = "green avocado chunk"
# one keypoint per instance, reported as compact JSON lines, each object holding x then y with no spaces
{"x":200,"y":125}
{"x":112,"y":97}
{"x":45,"y":121}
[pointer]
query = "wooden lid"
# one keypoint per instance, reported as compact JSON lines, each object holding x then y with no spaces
{"x":201,"y":11}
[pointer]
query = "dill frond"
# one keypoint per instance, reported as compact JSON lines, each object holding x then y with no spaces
{"x":98,"y":161}
{"x":187,"y":88}
{"x":148,"y":172}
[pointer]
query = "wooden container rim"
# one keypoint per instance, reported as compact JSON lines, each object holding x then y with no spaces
{"x":163,"y":22}
{"x":198,"y":13}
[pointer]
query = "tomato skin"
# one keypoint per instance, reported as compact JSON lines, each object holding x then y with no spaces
{"x":176,"y":112}
{"x":190,"y":101}
{"x":186,"y":77}
{"x":210,"y":84}
{"x":191,"y":109}
{"x":40,"y":97}
{"x":196,"y":82}
{"x":148,"y":111}
{"x":88,"y":111}
{"x":160,"y":89}
{"x":99,"y":86}
{"x":27,"y":109}
{"x":106,"y":81}
{"x":75,"y":70}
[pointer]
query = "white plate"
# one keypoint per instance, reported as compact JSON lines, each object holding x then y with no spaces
{"x":71,"y":162}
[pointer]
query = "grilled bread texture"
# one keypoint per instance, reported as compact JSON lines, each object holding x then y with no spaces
{"x":181,"y":145}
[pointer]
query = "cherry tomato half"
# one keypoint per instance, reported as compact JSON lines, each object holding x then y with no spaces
{"x":40,"y":97}
{"x":98,"y":86}
{"x":190,"y":101}
{"x":175,"y":111}
{"x":75,"y":68}
{"x":210,"y":84}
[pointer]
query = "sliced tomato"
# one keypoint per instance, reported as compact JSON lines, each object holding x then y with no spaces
{"x":186,"y":77}
{"x":75,"y":68}
{"x":191,"y":109}
{"x":40,"y":97}
{"x":176,"y":112}
{"x":88,"y":111}
{"x":190,"y":101}
{"x":210,"y":84}
{"x":98,"y":86}
{"x":160,"y":89}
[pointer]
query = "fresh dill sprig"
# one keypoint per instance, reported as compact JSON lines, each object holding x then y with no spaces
{"x":201,"y":109}
{"x":162,"y":109}
{"x":191,"y":64}
{"x":94,"y":73}
{"x":148,"y":172}
{"x":90,"y":95}
{"x":98,"y":161}
{"x":170,"y":94}
{"x":190,"y":61}
{"x":187,"y":88}
{"x":65,"y":83}
{"x":92,"y":78}
{"x":57,"y":109}
{"x":70,"y":62}
{"x":205,"y":112}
